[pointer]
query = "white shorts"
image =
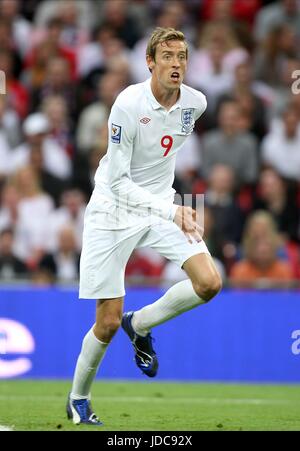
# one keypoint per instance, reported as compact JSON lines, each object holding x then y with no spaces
{"x":105,"y":253}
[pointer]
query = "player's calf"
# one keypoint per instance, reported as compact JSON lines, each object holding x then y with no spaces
{"x":108,"y":318}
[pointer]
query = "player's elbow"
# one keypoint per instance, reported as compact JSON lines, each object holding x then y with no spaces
{"x":113,"y":182}
{"x":116,"y":185}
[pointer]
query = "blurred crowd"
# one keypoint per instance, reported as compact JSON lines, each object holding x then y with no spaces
{"x":65,"y":62}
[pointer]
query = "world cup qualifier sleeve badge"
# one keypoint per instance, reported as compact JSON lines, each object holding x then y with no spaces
{"x":187,"y":120}
{"x":116,"y":131}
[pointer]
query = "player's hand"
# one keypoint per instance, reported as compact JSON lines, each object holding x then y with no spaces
{"x":188,"y":221}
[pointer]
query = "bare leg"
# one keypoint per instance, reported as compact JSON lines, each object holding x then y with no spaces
{"x":108,"y":320}
{"x":203,"y":284}
{"x":204,"y":276}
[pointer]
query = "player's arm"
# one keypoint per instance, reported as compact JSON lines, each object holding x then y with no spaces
{"x":122,"y":131}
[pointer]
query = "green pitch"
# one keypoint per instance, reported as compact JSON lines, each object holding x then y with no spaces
{"x":153,"y":406}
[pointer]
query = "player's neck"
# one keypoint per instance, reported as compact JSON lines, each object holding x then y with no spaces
{"x":166,"y":97}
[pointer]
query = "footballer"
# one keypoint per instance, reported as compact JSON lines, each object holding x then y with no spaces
{"x":132,"y":206}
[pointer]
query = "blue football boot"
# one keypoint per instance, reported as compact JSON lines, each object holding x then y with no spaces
{"x":145,"y":356}
{"x":80,"y":412}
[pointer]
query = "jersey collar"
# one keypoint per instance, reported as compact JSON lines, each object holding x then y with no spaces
{"x":154,"y":103}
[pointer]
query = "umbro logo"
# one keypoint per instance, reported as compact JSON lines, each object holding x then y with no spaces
{"x":145,"y":120}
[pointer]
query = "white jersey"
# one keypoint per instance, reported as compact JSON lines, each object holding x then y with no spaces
{"x":143,"y":141}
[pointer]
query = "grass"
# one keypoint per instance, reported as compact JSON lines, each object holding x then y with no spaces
{"x":154,"y":406}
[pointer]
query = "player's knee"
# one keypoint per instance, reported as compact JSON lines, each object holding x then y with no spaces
{"x":209,"y":288}
{"x":112,"y":324}
{"x":108,"y":327}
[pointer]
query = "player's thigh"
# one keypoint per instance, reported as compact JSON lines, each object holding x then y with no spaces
{"x":169,"y":240}
{"x":103,"y":260}
{"x":194,"y":258}
{"x":204,"y":275}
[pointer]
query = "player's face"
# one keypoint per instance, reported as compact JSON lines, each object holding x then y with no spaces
{"x":170,"y":64}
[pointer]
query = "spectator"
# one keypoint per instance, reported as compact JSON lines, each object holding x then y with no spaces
{"x":11,"y":267}
{"x":239,"y":10}
{"x":274,"y":197}
{"x":260,"y":264}
{"x":17,"y":95}
{"x":10,"y":198}
{"x":91,"y":56}
{"x":51,"y":35}
{"x":85,"y":165}
{"x":32,"y":225}
{"x":95,"y":116}
{"x":211,"y":237}
{"x":47,"y":9}
{"x":117,"y":16}
{"x":285,"y":12}
{"x":36,"y":129}
{"x":9,"y":124}
{"x":188,"y":164}
{"x":71,"y":212}
{"x":7,"y":45}
{"x":21,"y":27}
{"x":73,"y":34}
{"x":58,"y":81}
{"x":61,"y":127}
{"x":120,"y":68}
{"x":35,"y":70}
{"x":63,"y":265}
{"x":5,"y":147}
{"x":226,"y":214}
{"x":212,"y":64}
{"x":283,"y":95}
{"x":279,"y":45}
{"x":252,"y":96}
{"x":294,"y":100}
{"x":227,"y":145}
{"x":48,"y":182}
{"x":281,"y":147}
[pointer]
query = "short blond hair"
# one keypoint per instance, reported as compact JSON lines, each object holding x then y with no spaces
{"x":160,"y":35}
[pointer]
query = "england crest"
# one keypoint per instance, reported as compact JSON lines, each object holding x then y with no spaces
{"x":187,"y":120}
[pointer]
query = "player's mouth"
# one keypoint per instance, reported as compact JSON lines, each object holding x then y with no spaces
{"x":175,"y":76}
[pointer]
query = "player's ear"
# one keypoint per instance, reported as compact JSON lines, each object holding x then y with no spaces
{"x":150,"y":62}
